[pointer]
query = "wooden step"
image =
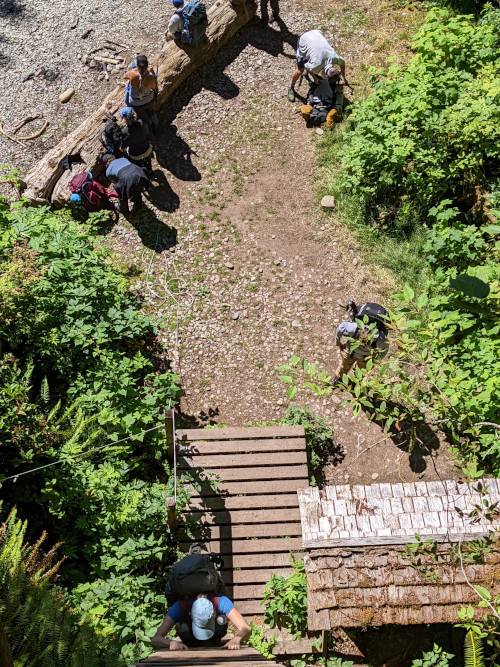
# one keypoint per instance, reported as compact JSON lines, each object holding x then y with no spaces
{"x":234,"y":517}
{"x":229,"y":433}
{"x":270,"y":472}
{"x":253,"y":487}
{"x":240,"y":446}
{"x":210,"y":461}
{"x":243,"y":502}
{"x":250,"y":546}
{"x":210,"y":533}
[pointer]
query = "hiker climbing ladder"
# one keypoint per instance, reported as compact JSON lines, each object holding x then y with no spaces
{"x":251,"y":517}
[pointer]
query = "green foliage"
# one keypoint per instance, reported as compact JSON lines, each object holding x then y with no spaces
{"x":319,"y":435}
{"x":78,"y":376}
{"x":473,"y":650}
{"x":285,"y":600}
{"x":429,"y":128}
{"x":39,"y":623}
{"x":260,"y":641}
{"x":422,"y":556}
{"x":437,"y":657}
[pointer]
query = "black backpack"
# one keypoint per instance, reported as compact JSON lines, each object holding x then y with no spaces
{"x":195,"y":573}
{"x":195,"y":23}
{"x":375,"y":313}
{"x":113,"y":137}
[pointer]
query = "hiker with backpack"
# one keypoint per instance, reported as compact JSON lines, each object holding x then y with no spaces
{"x":142,"y":90}
{"x":189,"y":22}
{"x":112,"y":136}
{"x":90,"y":195}
{"x":363,"y":341}
{"x":317,"y":58}
{"x":135,"y":138}
{"x":129,"y":181}
{"x":198,"y":606}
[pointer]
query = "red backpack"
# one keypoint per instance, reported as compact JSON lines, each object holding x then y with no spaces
{"x":93,"y":195}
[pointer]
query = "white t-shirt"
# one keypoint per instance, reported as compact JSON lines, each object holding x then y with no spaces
{"x":175,"y":24}
{"x":318,"y":56}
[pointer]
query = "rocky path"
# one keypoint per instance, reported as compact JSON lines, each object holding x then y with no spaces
{"x":235,"y":234}
{"x":233,"y":249}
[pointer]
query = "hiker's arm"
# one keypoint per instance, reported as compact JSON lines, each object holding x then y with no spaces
{"x":159,"y":641}
{"x":244,"y":630}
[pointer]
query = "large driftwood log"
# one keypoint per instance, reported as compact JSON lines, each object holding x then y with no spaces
{"x":48,"y":183}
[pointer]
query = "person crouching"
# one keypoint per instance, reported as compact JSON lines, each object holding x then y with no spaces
{"x":136,"y":139}
{"x":129,"y":181}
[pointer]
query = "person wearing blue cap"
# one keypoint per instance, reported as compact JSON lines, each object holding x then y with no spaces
{"x":129,"y":180}
{"x":201,"y":621}
{"x":176,"y":23}
{"x":136,"y":139}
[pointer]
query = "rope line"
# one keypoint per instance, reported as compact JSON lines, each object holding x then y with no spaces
{"x":75,"y":456}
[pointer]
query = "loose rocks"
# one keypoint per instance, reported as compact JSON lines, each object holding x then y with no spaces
{"x":328,"y":201}
{"x":66,"y":96}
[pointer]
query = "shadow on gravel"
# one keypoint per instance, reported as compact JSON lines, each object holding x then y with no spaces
{"x":174,"y":155}
{"x":4,"y":57}
{"x":211,"y":76}
{"x":12,"y":8}
{"x":160,"y":193}
{"x":153,"y":233}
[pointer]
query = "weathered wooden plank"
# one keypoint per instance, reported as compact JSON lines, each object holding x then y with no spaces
{"x":265,"y":472}
{"x":257,"y":487}
{"x":257,"y":576}
{"x":243,"y":548}
{"x":243,"y":502}
{"x":259,"y":560}
{"x":233,"y":517}
{"x":241,"y":460}
{"x":228,"y":532}
{"x":249,"y":608}
{"x":394,"y":540}
{"x":240,"y":446}
{"x":240,"y":433}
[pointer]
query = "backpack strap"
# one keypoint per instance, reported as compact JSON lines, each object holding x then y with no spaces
{"x":185,"y":611}
{"x":215,"y":602}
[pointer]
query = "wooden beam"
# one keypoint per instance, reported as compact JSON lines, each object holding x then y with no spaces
{"x":275,"y":474}
{"x":48,"y":183}
{"x":230,"y":433}
{"x":246,"y":547}
{"x":201,"y":447}
{"x":242,"y":460}
{"x":252,"y":487}
{"x":243,"y":502}
{"x":283,"y":515}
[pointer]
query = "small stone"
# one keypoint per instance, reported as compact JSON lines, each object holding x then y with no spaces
{"x":66,"y":96}
{"x":228,"y":265}
{"x":74,"y":22}
{"x":235,"y":316}
{"x":319,"y":131}
{"x":355,"y":262}
{"x":86,"y":33}
{"x":328,"y":201}
{"x":277,"y":262}
{"x":92,"y":63}
{"x":296,"y":324}
{"x":375,"y":475}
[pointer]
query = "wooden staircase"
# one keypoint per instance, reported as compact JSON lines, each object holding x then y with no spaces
{"x":208,"y":657}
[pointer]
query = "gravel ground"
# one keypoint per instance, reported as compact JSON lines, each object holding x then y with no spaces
{"x":45,"y":48}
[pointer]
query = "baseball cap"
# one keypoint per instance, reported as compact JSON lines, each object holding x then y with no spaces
{"x":107,"y":157}
{"x":75,"y":198}
{"x":178,"y":4}
{"x":142,"y":61}
{"x":126,"y":111}
{"x":203,"y":619}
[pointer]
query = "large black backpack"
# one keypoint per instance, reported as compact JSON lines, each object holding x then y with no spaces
{"x":375,"y":313}
{"x":195,"y":573}
{"x":195,"y":23}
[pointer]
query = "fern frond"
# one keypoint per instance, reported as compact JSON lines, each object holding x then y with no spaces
{"x":473,"y":650}
{"x":44,"y":391}
{"x":54,"y":411}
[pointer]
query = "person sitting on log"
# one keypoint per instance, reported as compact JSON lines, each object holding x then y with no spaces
{"x":176,"y":23}
{"x":317,"y":58}
{"x":135,"y":137}
{"x":129,"y":181}
{"x":198,"y":608}
{"x":142,"y":90}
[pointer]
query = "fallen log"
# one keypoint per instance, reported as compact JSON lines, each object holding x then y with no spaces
{"x":48,"y":182}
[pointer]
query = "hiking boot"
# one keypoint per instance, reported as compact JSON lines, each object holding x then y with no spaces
{"x":291,"y":94}
{"x":334,"y":381}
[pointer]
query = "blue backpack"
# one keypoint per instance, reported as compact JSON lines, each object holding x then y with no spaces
{"x":195,"y":23}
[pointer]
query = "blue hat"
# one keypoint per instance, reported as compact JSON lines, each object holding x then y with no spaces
{"x":75,"y":198}
{"x":203,"y":619}
{"x":178,"y":4}
{"x":126,"y":111}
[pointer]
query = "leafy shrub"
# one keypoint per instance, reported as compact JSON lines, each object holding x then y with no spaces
{"x":430,"y":130}
{"x":39,"y":624}
{"x":285,"y":600}
{"x":78,"y":376}
{"x":437,"y":657}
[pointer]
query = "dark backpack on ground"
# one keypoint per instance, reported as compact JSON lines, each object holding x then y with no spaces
{"x":320,"y":97}
{"x":195,"y":573}
{"x":375,"y":313}
{"x":195,"y":23}
{"x":92,"y":194}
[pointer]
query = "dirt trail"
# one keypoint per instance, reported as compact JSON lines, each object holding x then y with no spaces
{"x":235,"y":231}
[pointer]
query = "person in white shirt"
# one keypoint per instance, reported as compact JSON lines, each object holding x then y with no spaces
{"x":316,"y":57}
{"x":176,"y":23}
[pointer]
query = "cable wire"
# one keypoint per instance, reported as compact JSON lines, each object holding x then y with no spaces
{"x":75,"y":456}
